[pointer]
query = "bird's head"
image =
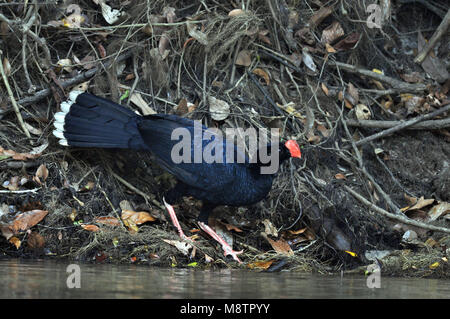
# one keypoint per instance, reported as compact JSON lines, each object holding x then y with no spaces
{"x":290,"y":149}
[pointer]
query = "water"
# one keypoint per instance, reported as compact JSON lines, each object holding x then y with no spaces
{"x":48,"y":279}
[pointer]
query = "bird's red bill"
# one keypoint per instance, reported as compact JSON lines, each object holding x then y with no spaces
{"x":293,"y":147}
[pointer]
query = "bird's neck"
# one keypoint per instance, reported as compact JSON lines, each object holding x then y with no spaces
{"x":257,"y":166}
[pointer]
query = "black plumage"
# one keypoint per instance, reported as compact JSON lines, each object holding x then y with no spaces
{"x":91,"y":121}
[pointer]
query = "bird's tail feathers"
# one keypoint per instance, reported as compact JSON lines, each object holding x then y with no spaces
{"x":87,"y":120}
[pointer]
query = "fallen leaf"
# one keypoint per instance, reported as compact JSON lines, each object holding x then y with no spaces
{"x":74,"y":20}
{"x":421,"y":203}
{"x":263,"y":74}
{"x":297,"y":232}
{"x":90,"y":227}
{"x":6,"y":67}
{"x":362,"y":112}
{"x":308,"y":60}
{"x":260,"y":264}
{"x":35,"y":241}
{"x":332,"y":32}
{"x":15,"y":241}
{"x":289,"y":108}
{"x":244,"y":58}
{"x":110,"y":15}
{"x":27,"y":220}
{"x":329,"y":48}
{"x":270,"y":229}
{"x":181,"y":108}
{"x":340,"y":176}
{"x":32,"y":129}
{"x":219,"y":109}
{"x":131,"y":218}
{"x":353,"y":92}
{"x":107,"y":220}
{"x":324,"y":89}
{"x":182,"y":246}
{"x":438,"y":210}
{"x":236,"y":12}
{"x":41,"y":174}
{"x":349,"y":42}
{"x":280,"y":246}
{"x":434,"y":265}
{"x":137,"y":100}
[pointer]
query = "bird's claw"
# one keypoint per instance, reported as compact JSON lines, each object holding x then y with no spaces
{"x":227,"y":250}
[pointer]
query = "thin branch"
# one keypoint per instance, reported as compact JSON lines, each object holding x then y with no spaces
{"x":400,"y":218}
{"x":11,"y":97}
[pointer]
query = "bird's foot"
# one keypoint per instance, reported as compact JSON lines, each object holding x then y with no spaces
{"x":173,"y":217}
{"x":227,"y":250}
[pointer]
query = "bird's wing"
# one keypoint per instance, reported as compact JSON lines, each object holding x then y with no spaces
{"x":157,"y":131}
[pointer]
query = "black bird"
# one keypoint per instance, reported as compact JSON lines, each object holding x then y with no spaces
{"x":87,"y":120}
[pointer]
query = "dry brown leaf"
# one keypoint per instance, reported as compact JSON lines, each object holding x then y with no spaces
{"x":270,"y":229}
{"x":27,"y":220}
{"x":230,"y":227}
{"x":324,"y":89}
{"x":329,"y":48}
{"x":137,"y":217}
{"x":322,"y":129}
{"x":244,"y":58}
{"x":260,"y":264}
{"x":236,"y":12}
{"x":90,"y":227}
{"x":421,"y":203}
{"x":36,"y":152}
{"x":280,"y":246}
{"x":332,"y":32}
{"x":349,"y":42}
{"x":41,"y":174}
{"x":219,"y":109}
{"x":131,"y":219}
{"x":107,"y":220}
{"x":340,"y":176}
{"x":6,"y":67}
{"x":263,"y":74}
{"x":297,"y":232}
{"x":35,"y":240}
{"x":182,"y":246}
{"x":182,"y":107}
{"x":354,"y":95}
{"x":15,"y":241}
{"x":438,"y":210}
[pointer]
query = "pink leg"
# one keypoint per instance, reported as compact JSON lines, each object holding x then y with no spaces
{"x":175,"y":222}
{"x":226,"y":248}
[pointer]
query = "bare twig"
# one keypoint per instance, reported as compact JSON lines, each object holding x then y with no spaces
{"x":425,"y":125}
{"x":11,"y":97}
{"x":73,"y":81}
{"x":403,"y":125}
{"x":440,"y":31}
{"x":398,"y":85}
{"x":400,"y":218}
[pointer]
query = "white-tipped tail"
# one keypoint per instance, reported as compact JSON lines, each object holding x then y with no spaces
{"x":74,"y":94}
{"x":60,"y":117}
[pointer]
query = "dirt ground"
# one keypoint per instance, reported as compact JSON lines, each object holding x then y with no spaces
{"x":313,"y":69}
